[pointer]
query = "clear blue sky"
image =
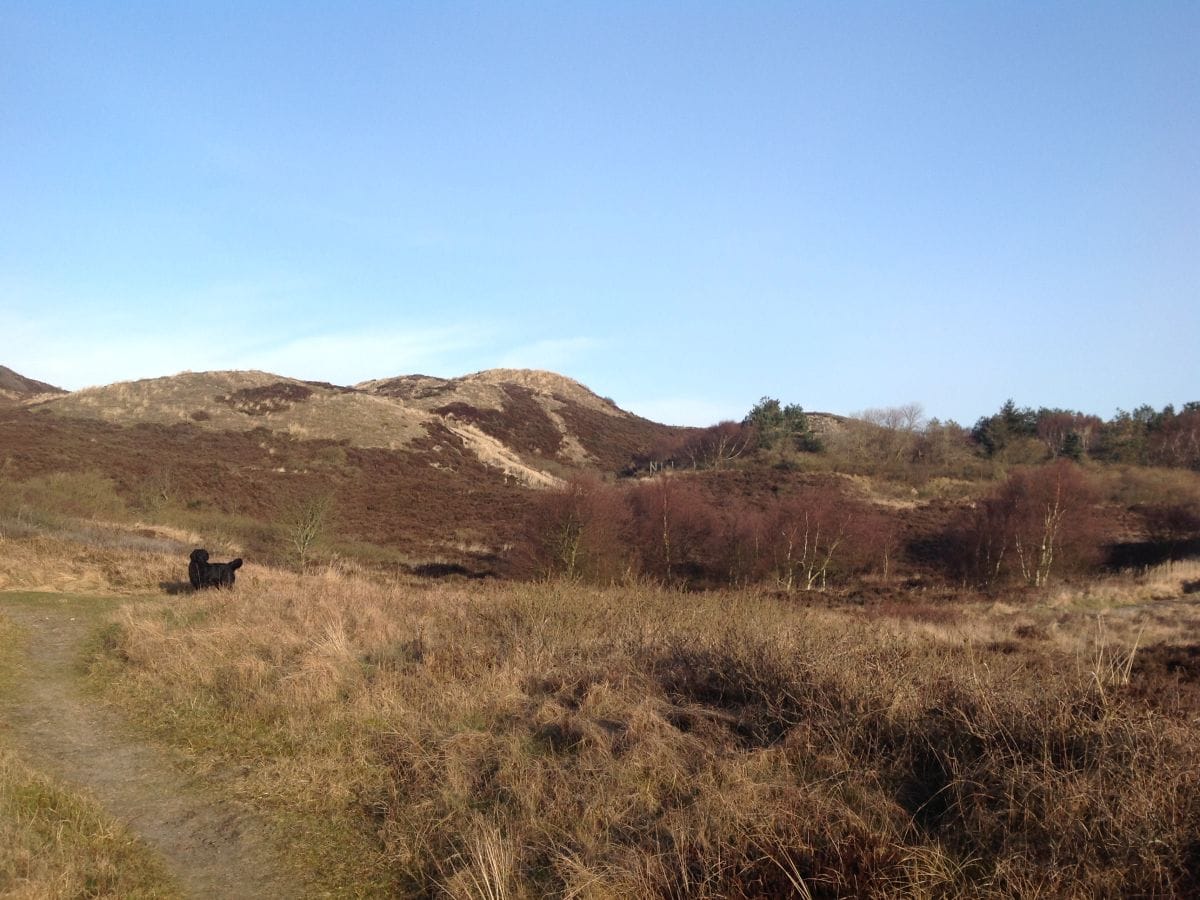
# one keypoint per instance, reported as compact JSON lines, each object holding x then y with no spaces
{"x":685,"y":206}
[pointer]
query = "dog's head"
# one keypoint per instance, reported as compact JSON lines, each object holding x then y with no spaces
{"x":199,"y":556}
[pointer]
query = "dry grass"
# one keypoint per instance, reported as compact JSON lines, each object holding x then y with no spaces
{"x":234,"y":401}
{"x":95,"y":558}
{"x":486,"y":390}
{"x":555,"y":740}
{"x":58,"y":845}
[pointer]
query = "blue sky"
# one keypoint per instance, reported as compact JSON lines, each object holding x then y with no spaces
{"x":685,"y":206}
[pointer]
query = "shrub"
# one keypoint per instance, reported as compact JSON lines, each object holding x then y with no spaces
{"x":581,"y":531}
{"x":672,"y":529}
{"x":1039,"y":521}
{"x":810,"y":538}
{"x":783,"y":427}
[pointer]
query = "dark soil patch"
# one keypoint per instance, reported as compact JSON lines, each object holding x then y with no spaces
{"x":269,"y":398}
{"x":1167,"y":677}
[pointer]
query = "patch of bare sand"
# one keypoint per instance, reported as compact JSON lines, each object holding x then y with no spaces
{"x":494,"y":453}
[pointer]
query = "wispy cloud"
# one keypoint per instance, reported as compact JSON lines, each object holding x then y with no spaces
{"x":79,"y":352}
{"x":75,"y":353}
{"x":251,"y":325}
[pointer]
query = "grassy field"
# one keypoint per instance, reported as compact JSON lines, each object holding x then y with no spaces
{"x":492,"y":739}
{"x":980,"y":705}
{"x":503,"y":740}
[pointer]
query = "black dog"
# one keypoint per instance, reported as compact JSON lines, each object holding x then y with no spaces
{"x":204,"y":574}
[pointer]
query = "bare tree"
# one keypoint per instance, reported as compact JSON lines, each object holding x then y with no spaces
{"x":306,"y":524}
{"x":808,"y":533}
{"x":894,"y":432}
{"x":1040,"y":520}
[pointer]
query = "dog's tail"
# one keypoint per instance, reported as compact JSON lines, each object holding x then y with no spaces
{"x":235,"y":564}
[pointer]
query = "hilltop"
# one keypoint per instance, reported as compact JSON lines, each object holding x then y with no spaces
{"x":538,"y":414}
{"x":526,"y":424}
{"x":243,"y":401}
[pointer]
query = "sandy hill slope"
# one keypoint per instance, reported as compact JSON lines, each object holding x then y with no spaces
{"x":441,"y":470}
{"x":16,"y":388}
{"x":246,"y":400}
{"x":528,"y":427}
{"x":539,"y":415}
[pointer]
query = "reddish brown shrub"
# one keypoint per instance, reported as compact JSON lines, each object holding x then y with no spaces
{"x":582,"y":531}
{"x":673,"y":524}
{"x":738,"y":546}
{"x":1176,"y":440}
{"x":819,"y":535}
{"x":1041,"y":521}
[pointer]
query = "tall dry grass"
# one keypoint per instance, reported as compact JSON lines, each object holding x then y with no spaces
{"x":491,"y":740}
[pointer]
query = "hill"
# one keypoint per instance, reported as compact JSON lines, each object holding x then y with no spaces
{"x":540,"y":415}
{"x":247,"y":400}
{"x":421,"y":470}
{"x":16,"y":388}
{"x":416,"y":471}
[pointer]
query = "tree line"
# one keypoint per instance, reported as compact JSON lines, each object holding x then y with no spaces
{"x":1145,"y":436}
{"x":899,"y":440}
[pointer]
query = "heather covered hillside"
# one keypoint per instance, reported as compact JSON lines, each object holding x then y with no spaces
{"x":402,"y":478}
{"x":521,"y":473}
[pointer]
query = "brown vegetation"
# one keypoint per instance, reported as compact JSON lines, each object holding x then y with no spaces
{"x":558,"y":740}
{"x":1038,"y":522}
{"x":883,"y":660}
{"x":810,"y":533}
{"x":425,"y":504}
{"x":258,"y":401}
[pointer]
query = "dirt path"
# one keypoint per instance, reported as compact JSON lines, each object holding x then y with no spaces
{"x":211,"y":843}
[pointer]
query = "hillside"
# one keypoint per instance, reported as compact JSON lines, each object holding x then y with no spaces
{"x":432,"y":470}
{"x":245,"y":401}
{"x":516,"y":420}
{"x":418,"y":471}
{"x":541,"y":415}
{"x":16,"y":388}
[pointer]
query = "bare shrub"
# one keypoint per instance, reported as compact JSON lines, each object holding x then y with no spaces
{"x":581,"y":531}
{"x":1041,"y":521}
{"x":820,"y":535}
{"x":672,"y":526}
{"x":305,"y":524}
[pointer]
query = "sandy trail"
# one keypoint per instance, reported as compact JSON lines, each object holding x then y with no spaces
{"x":210,"y":842}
